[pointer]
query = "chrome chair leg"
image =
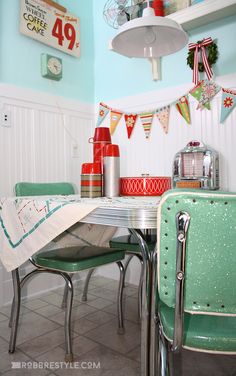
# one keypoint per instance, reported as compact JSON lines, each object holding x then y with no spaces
{"x":15,"y":310}
{"x":68,"y":341}
{"x":20,"y":285}
{"x":140,"y":280}
{"x":140,"y":287}
{"x":65,"y":294}
{"x":120,"y":299}
{"x":16,"y":301}
{"x":17,"y":286}
{"x":86,"y":284}
{"x":12,"y":313}
{"x":163,"y":356}
{"x":127,"y":264}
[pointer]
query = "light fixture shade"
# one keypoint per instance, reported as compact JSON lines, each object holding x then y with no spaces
{"x":149,"y":36}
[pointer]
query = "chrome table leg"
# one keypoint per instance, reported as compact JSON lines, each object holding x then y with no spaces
{"x":146,"y":302}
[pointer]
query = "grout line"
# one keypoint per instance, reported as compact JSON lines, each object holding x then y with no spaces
{"x":110,"y":349}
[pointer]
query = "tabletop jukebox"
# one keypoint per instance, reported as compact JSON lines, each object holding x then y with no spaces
{"x":196,"y":166}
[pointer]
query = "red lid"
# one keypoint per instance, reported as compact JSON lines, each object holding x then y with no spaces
{"x":102,"y":134}
{"x":91,"y":168}
{"x":111,"y":150}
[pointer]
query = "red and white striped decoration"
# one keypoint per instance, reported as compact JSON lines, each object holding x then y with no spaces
{"x":201,"y":46}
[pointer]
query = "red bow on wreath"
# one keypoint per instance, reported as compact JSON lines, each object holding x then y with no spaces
{"x":201,"y":46}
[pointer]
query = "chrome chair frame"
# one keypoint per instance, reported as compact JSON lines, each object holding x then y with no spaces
{"x":89,"y":275}
{"x":182,"y":224}
{"x":130,"y":255}
{"x":166,"y":338}
{"x":15,"y":308}
{"x":160,"y":360}
{"x":68,"y":297}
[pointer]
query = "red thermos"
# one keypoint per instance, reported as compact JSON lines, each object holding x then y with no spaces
{"x":101,"y":138}
{"x":158,"y":7}
{"x":111,"y":168}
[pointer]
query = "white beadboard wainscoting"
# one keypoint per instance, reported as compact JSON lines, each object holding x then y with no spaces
{"x":39,"y":146}
{"x":39,"y":143}
{"x":155,"y":155}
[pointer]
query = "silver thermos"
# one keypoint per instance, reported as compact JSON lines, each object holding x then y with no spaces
{"x":111,"y":170}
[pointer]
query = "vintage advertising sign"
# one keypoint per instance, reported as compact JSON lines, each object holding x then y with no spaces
{"x":48,"y":25}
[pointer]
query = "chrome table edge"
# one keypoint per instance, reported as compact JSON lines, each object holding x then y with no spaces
{"x":129,"y":217}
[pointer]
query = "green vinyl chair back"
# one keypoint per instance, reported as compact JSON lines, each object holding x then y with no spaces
{"x":43,"y":189}
{"x":210,"y":264}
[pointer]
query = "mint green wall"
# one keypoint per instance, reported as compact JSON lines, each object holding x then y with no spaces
{"x":99,"y":74}
{"x":118,"y":76}
{"x":20,"y":55}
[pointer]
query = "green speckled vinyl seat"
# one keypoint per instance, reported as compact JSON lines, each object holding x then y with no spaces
{"x":64,"y":262}
{"x":195,"y":273}
{"x":129,"y":244}
{"x":75,"y":259}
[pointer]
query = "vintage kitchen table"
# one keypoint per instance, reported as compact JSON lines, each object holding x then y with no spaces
{"x":30,"y":223}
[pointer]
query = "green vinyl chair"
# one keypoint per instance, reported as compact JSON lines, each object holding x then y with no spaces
{"x":130,"y":245}
{"x":64,"y":262}
{"x":195,"y":270}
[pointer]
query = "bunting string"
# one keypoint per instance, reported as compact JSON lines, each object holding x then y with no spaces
{"x":203,"y":92}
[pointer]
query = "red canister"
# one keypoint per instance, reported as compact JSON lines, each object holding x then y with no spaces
{"x":144,"y":185}
{"x":91,"y":180}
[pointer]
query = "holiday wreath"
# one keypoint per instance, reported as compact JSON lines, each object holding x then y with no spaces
{"x":212,"y":55}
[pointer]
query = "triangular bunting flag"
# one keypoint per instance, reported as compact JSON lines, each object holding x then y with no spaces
{"x":130,"y":120}
{"x":103,"y":111}
{"x":182,"y":106}
{"x":163,"y":114}
{"x":115,"y":117}
{"x":228,"y":102}
{"x":196,"y":92}
{"x":146,"y":120}
{"x":209,"y":90}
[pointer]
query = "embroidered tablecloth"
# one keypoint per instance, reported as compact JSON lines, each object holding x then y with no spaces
{"x":28,"y":224}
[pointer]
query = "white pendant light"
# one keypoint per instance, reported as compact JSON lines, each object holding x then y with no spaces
{"x":149,"y":36}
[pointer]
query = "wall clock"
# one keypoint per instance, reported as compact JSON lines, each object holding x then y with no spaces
{"x":51,"y":67}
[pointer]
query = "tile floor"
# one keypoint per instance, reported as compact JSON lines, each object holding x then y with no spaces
{"x":98,"y":349}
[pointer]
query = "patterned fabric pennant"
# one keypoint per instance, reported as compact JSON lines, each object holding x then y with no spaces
{"x":182,"y":106}
{"x":146,"y":120}
{"x":163,"y":114}
{"x":115,"y":117}
{"x":209,"y":90}
{"x":228,"y":102}
{"x":130,"y":120}
{"x":196,"y":92}
{"x":103,"y":111}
